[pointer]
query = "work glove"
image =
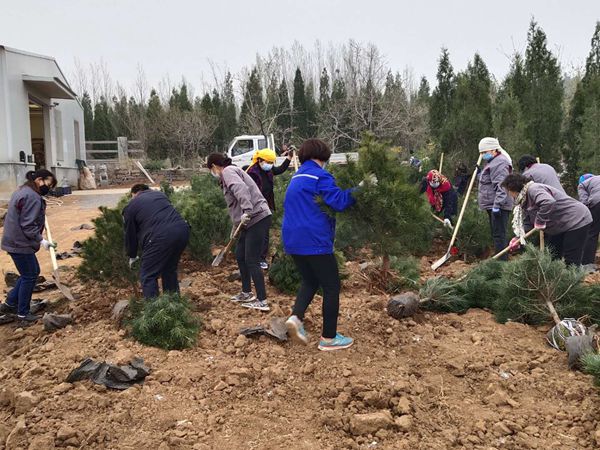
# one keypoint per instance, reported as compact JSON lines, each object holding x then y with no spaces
{"x":132,"y":261}
{"x":495,"y":210}
{"x":369,"y":179}
{"x":447,"y":223}
{"x":245,"y":219}
{"x":47,"y":244}
{"x":539,"y":226}
{"x":514,"y":244}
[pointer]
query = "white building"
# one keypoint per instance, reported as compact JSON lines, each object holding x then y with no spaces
{"x":41,"y":120}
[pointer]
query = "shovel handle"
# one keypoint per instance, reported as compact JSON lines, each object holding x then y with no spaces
{"x":507,"y":249}
{"x":223,"y":252}
{"x":52,"y":251}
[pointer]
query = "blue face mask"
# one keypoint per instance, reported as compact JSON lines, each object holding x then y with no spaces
{"x":266,"y":166}
{"x":488,"y":156}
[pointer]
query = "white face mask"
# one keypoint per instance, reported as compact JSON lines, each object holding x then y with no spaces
{"x":216,"y":175}
{"x":434,"y":185}
{"x":266,"y":166}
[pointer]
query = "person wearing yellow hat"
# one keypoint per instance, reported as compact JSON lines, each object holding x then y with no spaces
{"x":262,"y":171}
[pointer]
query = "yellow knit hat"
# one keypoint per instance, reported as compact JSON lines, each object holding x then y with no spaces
{"x":266,"y":154}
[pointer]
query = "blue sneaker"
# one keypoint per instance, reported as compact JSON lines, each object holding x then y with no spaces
{"x":339,"y":342}
{"x":295,"y":329}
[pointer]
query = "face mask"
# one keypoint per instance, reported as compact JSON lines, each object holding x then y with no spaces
{"x":488,"y":156}
{"x":216,"y":175}
{"x":44,"y":189}
{"x":434,"y":185}
{"x":266,"y":166}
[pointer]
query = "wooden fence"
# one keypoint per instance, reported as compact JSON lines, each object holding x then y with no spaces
{"x":113,"y":152}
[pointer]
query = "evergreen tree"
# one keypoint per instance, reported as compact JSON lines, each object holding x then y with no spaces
{"x":180,"y":99}
{"x":284,"y":119}
{"x":119,"y":117}
{"x":339,"y":97}
{"x":423,"y":95}
{"x":228,"y":115}
{"x":155,"y":114}
{"x":312,"y":110}
{"x":252,"y":106}
{"x":442,"y":99}
{"x":324,"y":95}
{"x":88,"y":116}
{"x":300,"y":117}
{"x":103,"y":129}
{"x":542,"y":102}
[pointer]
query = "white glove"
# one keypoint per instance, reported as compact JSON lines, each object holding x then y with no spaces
{"x":447,"y":223}
{"x":47,"y":244}
{"x":370,"y":179}
{"x":245,"y":219}
{"x":132,"y":261}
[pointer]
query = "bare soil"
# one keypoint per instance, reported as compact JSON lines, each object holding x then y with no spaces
{"x":431,"y":382}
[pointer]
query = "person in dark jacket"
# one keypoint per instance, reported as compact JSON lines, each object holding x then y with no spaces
{"x":556,"y":214}
{"x":262,"y":171}
{"x":308,"y":233}
{"x":461,"y":178}
{"x":441,"y":195}
{"x":248,"y":209}
{"x":22,"y":239}
{"x":589,"y":195}
{"x":153,"y":225}
{"x":539,"y":172}
{"x":491,"y":197}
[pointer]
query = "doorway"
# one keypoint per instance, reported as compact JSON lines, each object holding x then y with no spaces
{"x":36,"y":123}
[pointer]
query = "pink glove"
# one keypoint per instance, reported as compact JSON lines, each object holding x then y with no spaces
{"x":539,"y":226}
{"x":515,"y":243}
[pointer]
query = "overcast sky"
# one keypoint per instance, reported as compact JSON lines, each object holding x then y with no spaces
{"x":180,"y":37}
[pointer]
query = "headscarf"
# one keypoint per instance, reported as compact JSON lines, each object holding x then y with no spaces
{"x":490,"y":143}
{"x":518,"y":214}
{"x":266,"y":154}
{"x":584,"y":177}
{"x":435,"y":195}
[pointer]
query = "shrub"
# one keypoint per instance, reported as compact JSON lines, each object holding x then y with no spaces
{"x":204,"y":208}
{"x":154,"y":165}
{"x":474,"y":237}
{"x":166,"y":322}
{"x":591,"y":365}
{"x":280,"y":187}
{"x":104,"y":256}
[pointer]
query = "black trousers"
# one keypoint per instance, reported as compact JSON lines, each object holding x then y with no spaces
{"x":248,"y":254}
{"x":570,"y":245}
{"x":319,"y":271}
{"x":589,"y":253}
{"x":160,"y":258}
{"x":265,"y":249}
{"x":498,"y":224}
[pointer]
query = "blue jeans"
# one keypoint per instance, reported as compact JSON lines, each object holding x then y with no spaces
{"x":29,"y":270}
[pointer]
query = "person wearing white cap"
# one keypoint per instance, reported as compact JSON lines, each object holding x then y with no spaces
{"x":492,"y":197}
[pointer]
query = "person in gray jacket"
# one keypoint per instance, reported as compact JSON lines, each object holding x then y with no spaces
{"x":22,"y":239}
{"x":248,"y":208}
{"x":539,"y":172}
{"x":556,"y":214}
{"x":491,"y":197}
{"x":589,"y":195}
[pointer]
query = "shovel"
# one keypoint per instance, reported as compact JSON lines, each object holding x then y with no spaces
{"x":436,"y":265}
{"x":441,"y":220}
{"x":219,"y":258}
{"x":62,"y":288}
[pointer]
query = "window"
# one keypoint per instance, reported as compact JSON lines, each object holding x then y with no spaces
{"x":262,"y":143}
{"x":242,"y":146}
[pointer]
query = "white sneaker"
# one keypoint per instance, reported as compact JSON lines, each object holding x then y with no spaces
{"x":295,"y":329}
{"x":243,"y":297}
{"x":261,"y":305}
{"x":264,"y":265}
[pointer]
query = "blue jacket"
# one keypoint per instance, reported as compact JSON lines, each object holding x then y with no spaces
{"x":307,"y":229}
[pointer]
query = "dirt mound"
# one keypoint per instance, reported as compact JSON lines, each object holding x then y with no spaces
{"x":433,"y":381}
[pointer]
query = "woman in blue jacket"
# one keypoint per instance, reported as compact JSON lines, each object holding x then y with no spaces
{"x":308,"y":233}
{"x":22,"y":239}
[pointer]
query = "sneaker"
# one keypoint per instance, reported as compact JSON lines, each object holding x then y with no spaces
{"x":264,"y":265}
{"x":28,"y":318}
{"x":295,"y":329}
{"x":339,"y":342}
{"x":243,"y":297}
{"x":261,"y":305}
{"x":5,"y":308}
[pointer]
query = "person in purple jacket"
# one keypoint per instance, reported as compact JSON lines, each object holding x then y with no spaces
{"x":539,"y":172}
{"x":308,"y":233}
{"x":589,"y":195}
{"x":555,"y":213}
{"x":22,"y":239}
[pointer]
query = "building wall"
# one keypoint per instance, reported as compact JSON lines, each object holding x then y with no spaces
{"x":15,"y":131}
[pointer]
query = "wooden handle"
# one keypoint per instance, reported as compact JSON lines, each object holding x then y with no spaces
{"x":542,"y":242}
{"x":464,"y":205}
{"x":52,"y":251}
{"x":442,"y":162}
{"x":507,"y":249}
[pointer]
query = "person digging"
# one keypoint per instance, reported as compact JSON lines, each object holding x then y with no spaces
{"x":152,"y":224}
{"x":441,"y":196}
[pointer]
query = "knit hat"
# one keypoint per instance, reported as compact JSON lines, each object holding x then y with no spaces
{"x":490,"y":143}
{"x":585,"y":176}
{"x":266,"y":154}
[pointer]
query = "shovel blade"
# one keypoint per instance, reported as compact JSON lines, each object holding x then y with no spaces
{"x":61,"y":287}
{"x":440,"y":262}
{"x":218,"y":259}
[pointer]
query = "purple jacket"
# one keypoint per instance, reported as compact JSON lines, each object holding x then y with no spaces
{"x":556,"y":209}
{"x":491,"y":194}
{"x":589,"y":191}
{"x":243,"y":196}
{"x":24,"y":222}
{"x":543,"y":174}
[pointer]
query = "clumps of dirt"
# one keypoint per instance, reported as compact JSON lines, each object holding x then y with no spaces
{"x":431,"y":381}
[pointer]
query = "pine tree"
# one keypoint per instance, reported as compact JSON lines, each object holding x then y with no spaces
{"x":339,"y":97}
{"x":299,"y":117}
{"x":324,"y":94}
{"x":542,"y":102}
{"x":103,"y":129}
{"x":442,"y":99}
{"x":312,"y":110}
{"x":284,"y":119}
{"x":423,"y":95}
{"x":253,"y":104}
{"x":155,"y":114}
{"x":88,"y":116}
{"x":228,"y":115}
